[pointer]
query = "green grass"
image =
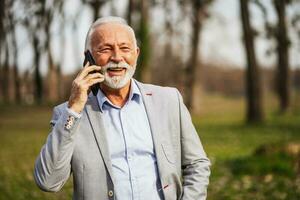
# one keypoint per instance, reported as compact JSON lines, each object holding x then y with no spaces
{"x":225,"y":134}
{"x":23,"y":131}
{"x":230,"y":144}
{"x":222,"y":129}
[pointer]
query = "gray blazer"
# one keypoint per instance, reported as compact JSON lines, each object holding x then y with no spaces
{"x":78,"y":146}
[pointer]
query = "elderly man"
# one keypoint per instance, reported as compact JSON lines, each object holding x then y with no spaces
{"x":132,"y":141}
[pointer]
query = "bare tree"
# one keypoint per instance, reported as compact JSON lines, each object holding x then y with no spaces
{"x":2,"y":48}
{"x":169,"y":58}
{"x":199,"y":13}
{"x":96,"y":6}
{"x":283,"y":75}
{"x":279,"y":32}
{"x":37,"y":74}
{"x":38,"y":20}
{"x":62,"y":39}
{"x":33,"y":21}
{"x":15,"y":58}
{"x":2,"y":15}
{"x":253,"y":82}
{"x":137,"y":16}
{"x":130,"y":10}
{"x":6,"y":73}
{"x":8,"y":45}
{"x":11,"y":34}
{"x":48,"y":13}
{"x":142,"y":72}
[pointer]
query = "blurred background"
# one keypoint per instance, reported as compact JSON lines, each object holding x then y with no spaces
{"x":236,"y":63}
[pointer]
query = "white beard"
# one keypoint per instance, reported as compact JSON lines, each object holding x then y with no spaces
{"x":118,"y":82}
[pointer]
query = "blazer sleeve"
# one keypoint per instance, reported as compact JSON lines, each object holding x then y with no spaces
{"x":53,"y":165}
{"x":195,"y":164}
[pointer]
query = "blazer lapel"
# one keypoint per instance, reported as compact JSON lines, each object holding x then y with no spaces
{"x":96,"y":119}
{"x":153,"y":111}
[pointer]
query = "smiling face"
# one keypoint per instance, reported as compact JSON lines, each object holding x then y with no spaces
{"x":114,"y":48}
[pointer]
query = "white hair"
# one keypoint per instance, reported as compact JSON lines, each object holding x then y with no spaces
{"x":105,"y":20}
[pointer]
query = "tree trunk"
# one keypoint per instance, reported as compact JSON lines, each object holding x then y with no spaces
{"x":190,"y":71}
{"x":17,"y":95}
{"x":96,"y":6}
{"x":2,"y":9}
{"x":169,"y":30}
{"x":37,"y":76}
{"x":60,"y":82}
{"x":16,"y":70}
{"x":129,"y":12}
{"x":52,"y":72}
{"x":253,"y":82}
{"x":142,"y":70}
{"x":6,"y":75}
{"x":52,"y":80}
{"x":283,"y":77}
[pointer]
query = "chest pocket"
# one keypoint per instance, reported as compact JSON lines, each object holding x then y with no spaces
{"x":169,"y":152}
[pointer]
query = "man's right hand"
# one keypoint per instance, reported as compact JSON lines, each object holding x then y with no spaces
{"x":81,"y":86}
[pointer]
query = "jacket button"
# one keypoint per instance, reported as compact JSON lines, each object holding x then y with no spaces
{"x":110,"y":193}
{"x":72,"y":118}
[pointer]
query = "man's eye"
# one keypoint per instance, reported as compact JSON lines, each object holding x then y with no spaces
{"x":125,"y":48}
{"x":105,"y":50}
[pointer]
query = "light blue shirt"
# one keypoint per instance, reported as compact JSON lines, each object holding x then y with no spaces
{"x":131,"y":148}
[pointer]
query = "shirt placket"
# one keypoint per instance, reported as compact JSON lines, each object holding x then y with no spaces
{"x":129,"y":154}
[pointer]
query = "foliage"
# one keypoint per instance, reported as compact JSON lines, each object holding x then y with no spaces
{"x":269,"y":176}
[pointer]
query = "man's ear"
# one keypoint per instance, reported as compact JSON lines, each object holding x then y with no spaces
{"x":137,"y":51}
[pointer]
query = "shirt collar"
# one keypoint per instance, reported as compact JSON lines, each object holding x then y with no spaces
{"x":134,"y":95}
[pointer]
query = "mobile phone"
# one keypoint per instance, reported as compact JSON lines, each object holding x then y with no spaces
{"x":89,"y":58}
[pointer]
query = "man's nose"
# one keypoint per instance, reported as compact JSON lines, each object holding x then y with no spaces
{"x":116,"y":57}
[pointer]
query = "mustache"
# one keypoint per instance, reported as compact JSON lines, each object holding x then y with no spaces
{"x":112,"y":65}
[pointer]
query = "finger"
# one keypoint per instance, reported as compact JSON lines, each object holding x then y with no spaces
{"x":87,"y":64}
{"x":94,"y":81}
{"x":92,"y":76}
{"x":85,"y":83}
{"x":87,"y":70}
{"x":92,"y":68}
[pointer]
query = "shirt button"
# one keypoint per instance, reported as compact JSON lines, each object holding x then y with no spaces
{"x":110,"y":193}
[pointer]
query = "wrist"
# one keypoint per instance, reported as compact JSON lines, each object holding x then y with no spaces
{"x":74,"y":108}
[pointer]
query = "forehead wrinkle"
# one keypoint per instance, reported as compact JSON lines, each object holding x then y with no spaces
{"x":110,"y":31}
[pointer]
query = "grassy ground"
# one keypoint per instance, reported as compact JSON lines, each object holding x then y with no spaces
{"x":237,"y":173}
{"x":23,"y":131}
{"x":226,"y":138}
